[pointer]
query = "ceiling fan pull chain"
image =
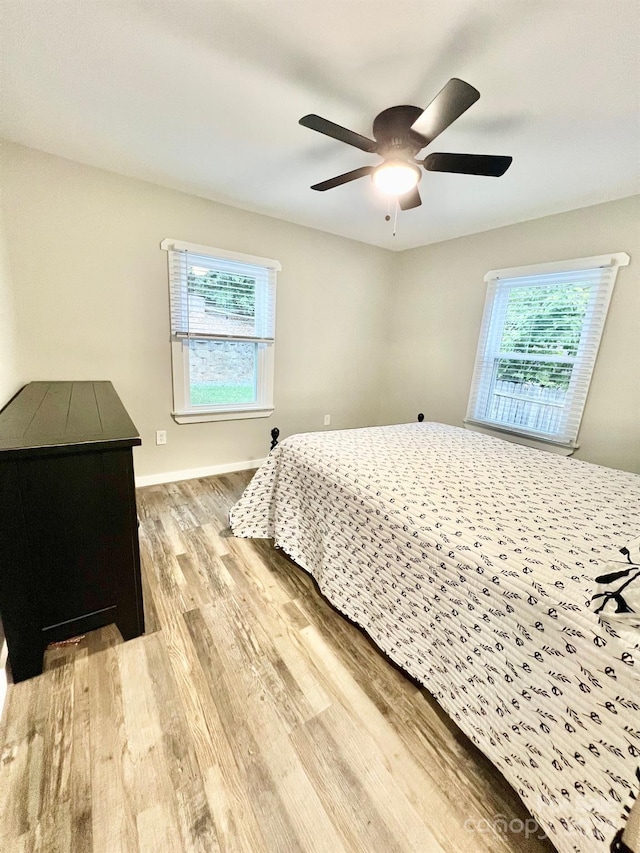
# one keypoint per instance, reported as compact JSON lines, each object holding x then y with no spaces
{"x":395,"y":218}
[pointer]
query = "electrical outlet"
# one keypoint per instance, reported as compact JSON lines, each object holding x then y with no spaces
{"x":161,"y":436}
{"x":327,"y":420}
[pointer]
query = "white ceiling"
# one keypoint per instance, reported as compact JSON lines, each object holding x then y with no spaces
{"x":205,"y":96}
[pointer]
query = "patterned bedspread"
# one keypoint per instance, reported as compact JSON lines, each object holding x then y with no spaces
{"x":471,"y":562}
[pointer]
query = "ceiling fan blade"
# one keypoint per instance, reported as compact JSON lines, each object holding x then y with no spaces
{"x":451,"y":101}
{"x":410,"y":200}
{"x":336,"y":131}
{"x":468,"y":164}
{"x":343,"y":179}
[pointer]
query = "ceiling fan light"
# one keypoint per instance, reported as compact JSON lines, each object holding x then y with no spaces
{"x":395,"y":177}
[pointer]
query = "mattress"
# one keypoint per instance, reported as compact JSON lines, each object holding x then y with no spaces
{"x":471,"y":562}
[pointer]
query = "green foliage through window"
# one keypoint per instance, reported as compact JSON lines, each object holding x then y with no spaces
{"x":223,"y":291}
{"x":542,"y":321}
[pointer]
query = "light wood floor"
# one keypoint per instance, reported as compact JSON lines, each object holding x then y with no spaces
{"x":251,"y":717}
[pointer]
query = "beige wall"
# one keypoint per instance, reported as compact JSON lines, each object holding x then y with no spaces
{"x":10,"y":376}
{"x":91,"y":294}
{"x":365,"y":335}
{"x":434,"y":314}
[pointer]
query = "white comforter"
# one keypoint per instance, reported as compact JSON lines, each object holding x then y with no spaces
{"x":470,"y":561}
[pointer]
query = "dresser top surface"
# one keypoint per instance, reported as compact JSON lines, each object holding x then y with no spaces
{"x":45,"y":415}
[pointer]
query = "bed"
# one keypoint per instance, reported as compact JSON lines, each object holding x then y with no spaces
{"x":472,"y":563}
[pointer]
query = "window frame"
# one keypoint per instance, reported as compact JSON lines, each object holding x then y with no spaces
{"x":183,"y":411}
{"x":480,"y":378}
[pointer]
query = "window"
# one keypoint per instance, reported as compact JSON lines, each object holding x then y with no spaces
{"x":538,"y":343}
{"x":222,"y":332}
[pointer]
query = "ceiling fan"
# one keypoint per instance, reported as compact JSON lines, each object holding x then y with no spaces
{"x":399,"y":134}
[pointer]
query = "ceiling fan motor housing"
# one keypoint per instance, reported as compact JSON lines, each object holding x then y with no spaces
{"x":392,"y":131}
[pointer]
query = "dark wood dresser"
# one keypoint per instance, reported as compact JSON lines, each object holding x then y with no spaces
{"x":69,"y":558}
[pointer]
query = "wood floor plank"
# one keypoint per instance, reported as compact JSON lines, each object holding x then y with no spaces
{"x":193,"y":811}
{"x":53,"y":833}
{"x":458,"y":768}
{"x":163,"y":567}
{"x":214,"y":755}
{"x":173,"y":532}
{"x":157,"y":832}
{"x":113,"y":818}
{"x":285,"y":795}
{"x":151,"y":502}
{"x":357,"y":787}
{"x":207,"y":565}
{"x":217,"y":542}
{"x":252,"y":718}
{"x":81,"y":798}
{"x":421,"y":791}
{"x":147,"y":779}
{"x":226,"y":778}
{"x":231,"y":698}
{"x":21,"y":760}
{"x":302,"y":686}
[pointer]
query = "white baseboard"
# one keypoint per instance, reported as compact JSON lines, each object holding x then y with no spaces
{"x":194,"y":473}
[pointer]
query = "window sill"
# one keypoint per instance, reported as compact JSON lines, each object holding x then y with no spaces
{"x":202,"y":416}
{"x":538,"y":442}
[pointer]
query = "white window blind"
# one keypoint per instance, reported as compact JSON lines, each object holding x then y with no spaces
{"x":538,"y":343}
{"x":221,"y":299}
